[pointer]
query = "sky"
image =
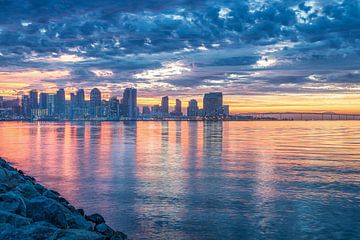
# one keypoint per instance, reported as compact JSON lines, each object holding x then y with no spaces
{"x":264,"y":55}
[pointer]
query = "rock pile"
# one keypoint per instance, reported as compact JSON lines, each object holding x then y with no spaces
{"x":30,"y":211}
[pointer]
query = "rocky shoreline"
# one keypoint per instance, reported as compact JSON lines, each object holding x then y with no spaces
{"x":28,"y":211}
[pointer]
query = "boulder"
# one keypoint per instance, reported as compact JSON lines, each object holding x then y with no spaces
{"x":28,"y":190}
{"x":77,"y":234}
{"x":46,"y":209}
{"x":119,"y":236}
{"x":12,"y":202}
{"x":50,"y":194}
{"x":95,"y":218}
{"x":38,"y":230}
{"x":13,"y":219}
{"x":40,"y":188}
{"x":104,"y":229}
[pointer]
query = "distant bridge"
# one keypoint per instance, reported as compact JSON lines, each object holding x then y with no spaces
{"x":303,"y":116}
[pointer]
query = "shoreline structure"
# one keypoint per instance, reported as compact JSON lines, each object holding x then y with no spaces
{"x":28,"y":211}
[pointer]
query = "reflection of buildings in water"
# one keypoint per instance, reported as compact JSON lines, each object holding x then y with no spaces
{"x":213,"y":139}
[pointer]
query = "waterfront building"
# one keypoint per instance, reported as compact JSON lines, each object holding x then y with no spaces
{"x":146,"y":110}
{"x":95,"y":102}
{"x":80,"y":98}
{"x":43,"y":100}
{"x":50,"y":104}
{"x":193,"y":109}
{"x":60,"y":102}
{"x":114,"y":108}
{"x":212,"y":103}
{"x":25,"y":106}
{"x":165,"y":105}
{"x":178,"y":111}
{"x":226,"y":110}
{"x":129,"y":102}
{"x":34,"y":104}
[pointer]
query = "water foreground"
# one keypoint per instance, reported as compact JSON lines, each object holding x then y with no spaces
{"x":30,"y":211}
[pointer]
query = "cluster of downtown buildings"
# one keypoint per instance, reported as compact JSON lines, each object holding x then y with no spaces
{"x":46,"y":106}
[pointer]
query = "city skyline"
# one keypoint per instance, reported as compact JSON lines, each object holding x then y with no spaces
{"x":295,"y":55}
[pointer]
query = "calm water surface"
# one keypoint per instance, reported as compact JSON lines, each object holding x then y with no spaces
{"x":195,"y":180}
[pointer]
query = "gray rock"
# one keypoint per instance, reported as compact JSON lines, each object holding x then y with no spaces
{"x":12,"y":202}
{"x":40,"y":188}
{"x":13,"y":219}
{"x":45,"y":209}
{"x":95,"y":218}
{"x":50,"y":194}
{"x":119,"y":236}
{"x":77,"y":234}
{"x":104,"y":229}
{"x":38,"y":230}
{"x":7,"y":231}
{"x":4,"y":188}
{"x":28,"y":190}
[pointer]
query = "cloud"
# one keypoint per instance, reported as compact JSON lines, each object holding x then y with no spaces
{"x":185,"y":45}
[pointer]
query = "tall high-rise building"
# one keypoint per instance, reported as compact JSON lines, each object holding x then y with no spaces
{"x":212,"y":103}
{"x":25,"y":106}
{"x":130,"y":102}
{"x":114,"y":108}
{"x":43,"y":100}
{"x":60,"y":102}
{"x":1,"y":102}
{"x":165,"y":105}
{"x":34,"y":103}
{"x":50,"y":104}
{"x":95,"y":102}
{"x":80,"y":98}
{"x":193,"y":109}
{"x":178,"y":111}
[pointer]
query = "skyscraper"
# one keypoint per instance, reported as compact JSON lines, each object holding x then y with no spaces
{"x":130,"y":103}
{"x":34,"y":104}
{"x":60,"y":102}
{"x":114,"y":108}
{"x":50,"y":104}
{"x":1,"y":102}
{"x":80,"y":98}
{"x":95,"y":102}
{"x":25,"y":106}
{"x":193,"y":109}
{"x":165,"y":105}
{"x":43,"y":100}
{"x":178,"y":111}
{"x":212,"y":103}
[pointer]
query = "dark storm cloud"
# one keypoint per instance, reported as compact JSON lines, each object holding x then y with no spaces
{"x":128,"y":37}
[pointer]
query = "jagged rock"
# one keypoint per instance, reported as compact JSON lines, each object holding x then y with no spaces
{"x":13,"y":219}
{"x":28,"y":190}
{"x":95,"y":218}
{"x":12,"y":202}
{"x":4,"y":188}
{"x":77,"y":234}
{"x":45,"y":209}
{"x":119,"y":236}
{"x":50,"y":194}
{"x":81,"y":211}
{"x":40,"y":188}
{"x":38,"y":230}
{"x":104,"y":229}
